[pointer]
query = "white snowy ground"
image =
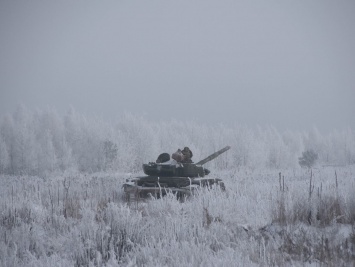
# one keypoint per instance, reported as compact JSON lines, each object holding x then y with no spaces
{"x":260,"y":220}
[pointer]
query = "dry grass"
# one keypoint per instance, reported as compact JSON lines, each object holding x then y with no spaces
{"x":86,"y":223}
{"x":315,"y":214}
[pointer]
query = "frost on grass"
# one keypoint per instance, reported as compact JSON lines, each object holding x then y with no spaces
{"x":83,"y":220}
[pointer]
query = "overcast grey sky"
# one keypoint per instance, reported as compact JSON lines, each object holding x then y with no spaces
{"x":290,"y":64}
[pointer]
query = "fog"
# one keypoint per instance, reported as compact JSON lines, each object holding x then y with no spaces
{"x":289,"y":64}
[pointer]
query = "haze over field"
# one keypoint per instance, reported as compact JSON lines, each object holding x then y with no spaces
{"x":281,"y":63}
{"x":91,"y":90}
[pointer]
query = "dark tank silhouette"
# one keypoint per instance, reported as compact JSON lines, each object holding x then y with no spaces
{"x":166,"y":175}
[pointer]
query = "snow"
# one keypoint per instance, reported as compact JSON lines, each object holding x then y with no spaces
{"x":62,"y":201}
{"x":44,"y":223}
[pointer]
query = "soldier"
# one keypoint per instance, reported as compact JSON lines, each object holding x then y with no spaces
{"x":183,"y":156}
{"x":187,"y":155}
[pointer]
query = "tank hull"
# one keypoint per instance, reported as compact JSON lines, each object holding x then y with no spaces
{"x":142,"y":187}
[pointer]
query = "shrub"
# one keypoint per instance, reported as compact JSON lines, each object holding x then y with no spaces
{"x":309,"y":157}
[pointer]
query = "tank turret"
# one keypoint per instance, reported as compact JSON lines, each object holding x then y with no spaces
{"x":181,"y":169}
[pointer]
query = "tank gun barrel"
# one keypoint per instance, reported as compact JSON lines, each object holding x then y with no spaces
{"x":213,"y":156}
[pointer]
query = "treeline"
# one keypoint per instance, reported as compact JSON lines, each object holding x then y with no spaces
{"x":37,"y":142}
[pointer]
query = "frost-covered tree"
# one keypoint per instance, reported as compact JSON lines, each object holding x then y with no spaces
{"x":308,"y":158}
{"x":314,"y":140}
{"x":47,"y":159}
{"x":294,"y":145}
{"x":110,"y":153}
{"x":7,"y":131}
{"x":42,"y":141}
{"x":277,"y":151}
{"x":4,"y":156}
{"x":23,"y":154}
{"x":241,"y":154}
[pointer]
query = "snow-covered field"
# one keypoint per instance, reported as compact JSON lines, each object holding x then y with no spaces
{"x":62,"y":202}
{"x":260,"y":220}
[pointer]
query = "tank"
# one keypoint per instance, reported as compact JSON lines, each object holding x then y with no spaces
{"x":180,"y":178}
